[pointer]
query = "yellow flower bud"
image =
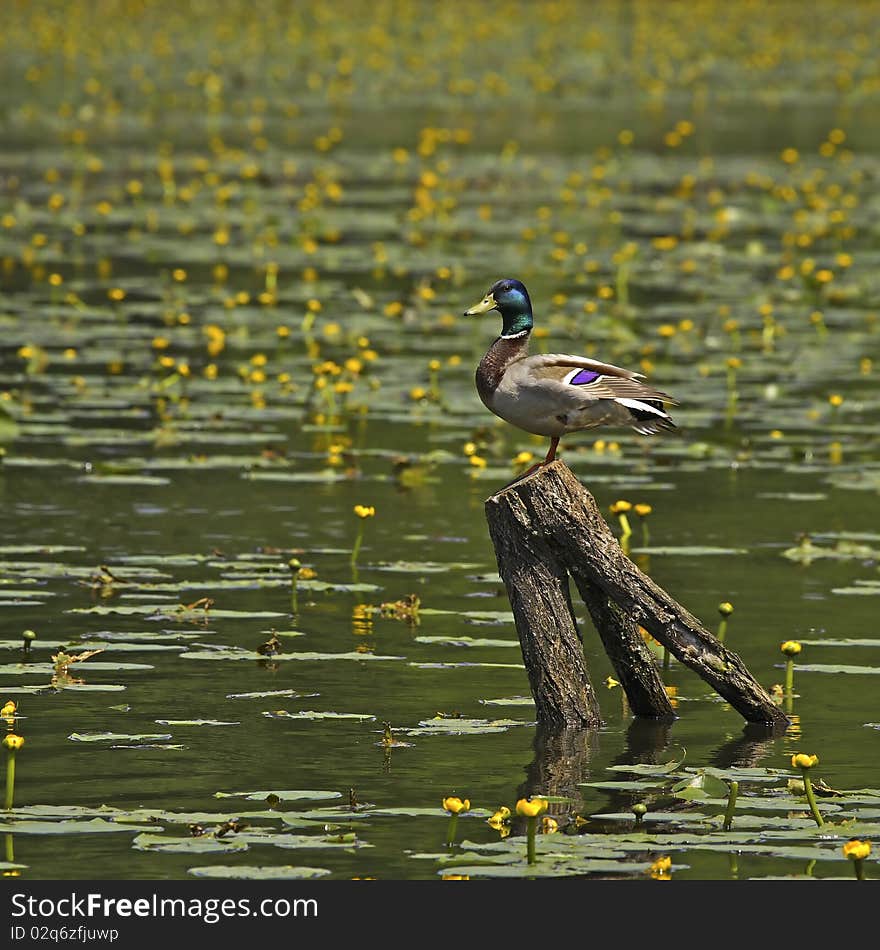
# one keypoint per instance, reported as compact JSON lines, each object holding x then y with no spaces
{"x":12,"y":742}
{"x":549,"y":825}
{"x":364,"y":511}
{"x":620,"y":506}
{"x":802,"y":761}
{"x":725,"y":608}
{"x":856,"y":850}
{"x":642,"y":510}
{"x":455,"y":806}
{"x":790,"y":647}
{"x":531,"y":807}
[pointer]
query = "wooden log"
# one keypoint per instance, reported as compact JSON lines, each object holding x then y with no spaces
{"x":537,"y":586}
{"x":629,"y":654}
{"x":551,"y":506}
{"x":538,"y":590}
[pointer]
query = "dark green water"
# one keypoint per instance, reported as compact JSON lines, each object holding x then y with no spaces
{"x":131,"y":464}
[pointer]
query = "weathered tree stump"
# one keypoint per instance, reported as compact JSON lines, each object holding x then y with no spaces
{"x":546,"y":527}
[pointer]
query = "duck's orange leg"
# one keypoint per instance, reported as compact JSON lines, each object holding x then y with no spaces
{"x":548,"y":458}
{"x":551,"y":452}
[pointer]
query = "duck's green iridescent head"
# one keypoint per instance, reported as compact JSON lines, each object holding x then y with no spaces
{"x":511,"y":298}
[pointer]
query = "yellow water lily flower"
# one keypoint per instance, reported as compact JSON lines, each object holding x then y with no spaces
{"x":531,"y":808}
{"x":12,"y":742}
{"x":856,"y":850}
{"x":790,"y":647}
{"x":725,"y":608}
{"x":661,"y":869}
{"x":549,"y":825}
{"x":9,"y":709}
{"x":364,"y":511}
{"x":802,"y":761}
{"x":499,"y":819}
{"x":455,"y":806}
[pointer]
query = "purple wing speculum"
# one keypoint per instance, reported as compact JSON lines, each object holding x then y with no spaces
{"x":583,"y":376}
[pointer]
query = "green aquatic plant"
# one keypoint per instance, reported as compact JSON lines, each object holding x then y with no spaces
{"x":732,"y":793}
{"x":857,"y":851}
{"x":454,"y":807}
{"x":620,"y":508}
{"x":295,"y":566}
{"x":725,"y":609}
{"x":806,"y":762}
{"x":531,"y":809}
{"x":28,"y":637}
{"x":643,"y":511}
{"x":363,"y":512}
{"x":790,"y":649}
{"x":12,"y":743}
{"x":639,"y":811}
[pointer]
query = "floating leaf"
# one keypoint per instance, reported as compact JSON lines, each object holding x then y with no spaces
{"x":834,"y":668}
{"x":280,"y":839}
{"x":285,"y":795}
{"x":648,"y":768}
{"x":171,"y":612}
{"x":118,"y":737}
{"x":266,"y":694}
{"x":277,"y":657}
{"x":47,"y":669}
{"x":701,"y":785}
{"x":467,"y":642}
{"x":195,"y":722}
{"x":457,"y":727}
{"x":191,"y":845}
{"x":245,"y":872}
{"x":693,"y":550}
{"x":311,"y":714}
{"x":66,"y":827}
{"x":632,"y":786}
{"x":509,"y":701}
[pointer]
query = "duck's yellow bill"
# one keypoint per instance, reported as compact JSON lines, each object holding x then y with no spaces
{"x":484,"y":306}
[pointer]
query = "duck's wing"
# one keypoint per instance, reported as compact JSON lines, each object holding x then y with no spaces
{"x":575,"y":379}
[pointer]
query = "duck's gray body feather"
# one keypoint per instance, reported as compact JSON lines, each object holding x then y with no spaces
{"x":552,"y":394}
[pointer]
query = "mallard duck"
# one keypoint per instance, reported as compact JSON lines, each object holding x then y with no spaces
{"x":553,"y":394}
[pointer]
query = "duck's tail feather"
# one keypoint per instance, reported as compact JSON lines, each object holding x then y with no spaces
{"x":647,"y":416}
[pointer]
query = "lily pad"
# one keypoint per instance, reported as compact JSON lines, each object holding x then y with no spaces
{"x":118,"y":737}
{"x":457,"y":727}
{"x":311,"y":714}
{"x":649,"y":768}
{"x":195,"y":722}
{"x":834,"y":668}
{"x":67,"y":827}
{"x":277,"y":657}
{"x":467,"y":642}
{"x":509,"y":701}
{"x":268,"y":693}
{"x":190,"y":845}
{"x":702,"y":785}
{"x":284,"y":872}
{"x":285,"y":795}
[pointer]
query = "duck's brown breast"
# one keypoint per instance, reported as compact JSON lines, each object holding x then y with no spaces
{"x":494,"y":364}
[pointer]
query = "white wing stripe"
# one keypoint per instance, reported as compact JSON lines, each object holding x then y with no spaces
{"x":643,"y":406}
